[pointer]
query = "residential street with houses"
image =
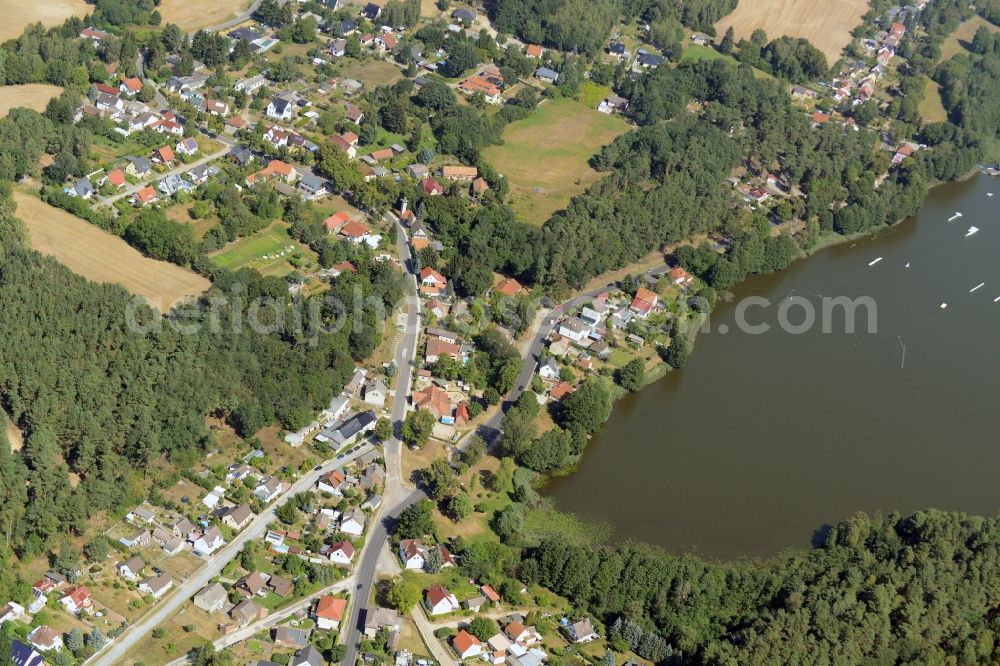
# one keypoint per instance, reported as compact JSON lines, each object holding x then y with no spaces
{"x":227,"y":145}
{"x":115,"y":651}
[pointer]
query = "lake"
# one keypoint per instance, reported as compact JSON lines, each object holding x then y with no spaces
{"x":764,"y":439}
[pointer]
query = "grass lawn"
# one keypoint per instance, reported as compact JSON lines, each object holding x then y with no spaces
{"x":931,"y":108}
{"x":699,"y":52}
{"x":545,"y":156}
{"x":269,"y":251}
{"x":592,"y":94}
{"x":961,"y":39}
{"x":372,"y":72}
{"x":105,"y":151}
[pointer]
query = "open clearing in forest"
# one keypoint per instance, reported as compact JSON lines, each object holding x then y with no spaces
{"x":545,"y":156}
{"x":18,"y":14}
{"x":193,"y":15}
{"x":31,"y":95}
{"x":961,"y":39}
{"x":103,"y":257}
{"x":269,"y":251}
{"x":827,"y":25}
{"x":14,"y":436}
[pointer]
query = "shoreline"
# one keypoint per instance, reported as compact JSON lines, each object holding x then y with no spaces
{"x":825,"y":240}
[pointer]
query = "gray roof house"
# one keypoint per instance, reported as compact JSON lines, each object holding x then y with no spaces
{"x":312,"y":185}
{"x":348,"y":430}
{"x":546,"y":74}
{"x":174,"y":184}
{"x":307,"y":656}
{"x":81,"y":188}
{"x":212,"y":599}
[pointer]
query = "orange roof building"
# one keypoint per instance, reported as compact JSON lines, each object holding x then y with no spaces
{"x":336,"y":221}
{"x":116,"y":177}
{"x":509,"y":287}
{"x":434,"y":400}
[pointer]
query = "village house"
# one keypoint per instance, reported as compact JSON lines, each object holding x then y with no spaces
{"x":613,"y":104}
{"x":431,"y":187}
{"x":547,"y":75}
{"x":279,"y":108}
{"x":549,"y":370}
{"x":45,"y":639}
{"x":453,"y":172}
{"x":533,"y":51}
{"x":251,"y":585}
{"x":574,"y":329}
{"x":345,"y":433}
{"x":11,"y":612}
{"x":246,"y":612}
{"x":356,"y":232}
{"x":432,"y":283}
{"x":354,"y":114}
{"x":274,"y":168}
{"x":333,"y":482}
{"x":183,"y":528}
{"x":209,"y":542}
{"x":313,"y":187}
{"x":436,"y":348}
{"x":212,"y":599}
{"x":136,"y":539}
{"x":581,"y":631}
{"x":187,"y":146}
{"x":130,"y":86}
{"x":290,"y":638}
{"x":25,"y":655}
{"x":131,"y":568}
{"x":77,"y":600}
{"x":269,"y":490}
{"x":375,"y":393}
{"x":329,"y":612}
{"x":238,"y":517}
{"x":466,"y":645}
{"x":93,"y":34}
{"x":439,"y":601}
{"x":353,"y":522}
{"x":474,"y":84}
{"x":157,"y":585}
{"x":644,"y":302}
{"x":433,"y":399}
{"x":341,"y":553}
{"x":378,"y":618}
{"x":524,"y":636}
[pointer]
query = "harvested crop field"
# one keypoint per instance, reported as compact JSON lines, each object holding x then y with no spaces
{"x":31,"y":95}
{"x":827,"y":25}
{"x":545,"y":156}
{"x":103,"y":257}
{"x":18,"y":14}
{"x":193,"y":15}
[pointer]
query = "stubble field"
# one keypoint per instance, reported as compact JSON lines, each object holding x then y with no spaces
{"x":827,"y":25}
{"x":18,"y":14}
{"x":31,"y":95}
{"x":103,"y":257}
{"x":193,"y":15}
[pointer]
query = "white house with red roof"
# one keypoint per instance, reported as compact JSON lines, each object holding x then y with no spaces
{"x":440,"y":601}
{"x":341,"y":553}
{"x":644,"y":302}
{"x":77,"y":600}
{"x":466,"y":645}
{"x":432,"y":283}
{"x":329,"y":612}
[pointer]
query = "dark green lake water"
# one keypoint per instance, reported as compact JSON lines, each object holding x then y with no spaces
{"x":762,"y":440}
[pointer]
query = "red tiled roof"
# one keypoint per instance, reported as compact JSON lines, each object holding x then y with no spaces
{"x":331,"y":608}
{"x":355,"y":229}
{"x":116,"y":177}
{"x":336,"y":220}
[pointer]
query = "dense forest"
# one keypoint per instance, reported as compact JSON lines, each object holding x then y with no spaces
{"x":923,"y":589}
{"x":100,"y":400}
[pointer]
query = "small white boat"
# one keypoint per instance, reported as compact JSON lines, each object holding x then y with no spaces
{"x":907,"y":265}
{"x":997,"y":299}
{"x":955,"y":216}
{"x":989,"y":194}
{"x":944,"y":305}
{"x":978,"y":286}
{"x":971,"y":231}
{"x":875,"y":261}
